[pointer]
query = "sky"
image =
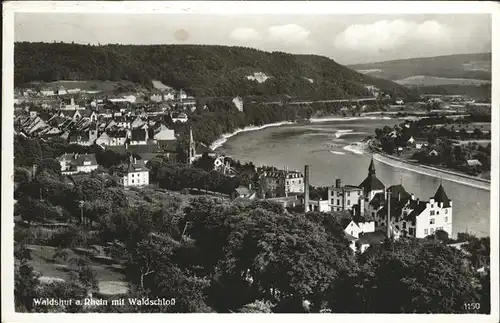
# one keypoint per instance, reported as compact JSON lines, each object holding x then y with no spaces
{"x":348,"y":39}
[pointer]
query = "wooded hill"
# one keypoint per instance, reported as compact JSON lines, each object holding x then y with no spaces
{"x":200,"y":70}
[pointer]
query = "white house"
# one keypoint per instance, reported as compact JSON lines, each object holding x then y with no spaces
{"x":134,"y":173}
{"x":47,"y":92}
{"x":168,"y":96}
{"x":62,"y":91}
{"x":319,"y":206}
{"x":163,"y":133}
{"x":411,"y":141}
{"x":77,"y":163}
{"x":355,"y":228}
{"x":181,"y":117}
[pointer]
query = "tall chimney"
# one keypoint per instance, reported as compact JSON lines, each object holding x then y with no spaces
{"x":388,"y":214}
{"x":306,"y":188}
{"x":338,"y":183}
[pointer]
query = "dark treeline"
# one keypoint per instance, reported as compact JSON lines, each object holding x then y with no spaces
{"x":201,"y":70}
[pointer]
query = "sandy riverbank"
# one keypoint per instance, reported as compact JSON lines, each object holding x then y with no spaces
{"x":222,"y":140}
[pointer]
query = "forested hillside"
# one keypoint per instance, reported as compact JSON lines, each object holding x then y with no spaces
{"x":201,"y":70}
{"x":469,"y":66}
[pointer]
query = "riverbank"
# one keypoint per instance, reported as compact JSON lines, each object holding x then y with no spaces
{"x":222,"y":140}
{"x":433,"y":171}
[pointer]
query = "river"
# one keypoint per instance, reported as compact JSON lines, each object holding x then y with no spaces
{"x":325,"y":146}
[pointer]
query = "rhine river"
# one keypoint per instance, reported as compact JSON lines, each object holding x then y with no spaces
{"x":325,"y":147}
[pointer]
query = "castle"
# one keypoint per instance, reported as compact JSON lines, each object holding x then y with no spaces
{"x":393,"y":209}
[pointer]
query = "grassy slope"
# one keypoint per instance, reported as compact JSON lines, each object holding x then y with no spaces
{"x":199,"y":69}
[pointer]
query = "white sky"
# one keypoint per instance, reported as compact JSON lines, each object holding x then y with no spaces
{"x":348,"y":39}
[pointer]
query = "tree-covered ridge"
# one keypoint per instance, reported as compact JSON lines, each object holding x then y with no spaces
{"x":201,"y":70}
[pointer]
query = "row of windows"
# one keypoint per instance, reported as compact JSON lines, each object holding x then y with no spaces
{"x":138,"y":174}
{"x":338,"y":202}
{"x":426,"y":231}
{"x":437,"y":212}
{"x":432,"y":221}
{"x":348,"y":193}
{"x":288,"y":182}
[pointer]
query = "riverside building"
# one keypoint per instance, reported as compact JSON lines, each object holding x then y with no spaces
{"x":394,"y":210}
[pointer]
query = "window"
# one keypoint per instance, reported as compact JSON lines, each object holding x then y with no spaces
{"x":445,"y":219}
{"x":432,"y":205}
{"x":338,"y":202}
{"x":437,"y":212}
{"x":432,"y":221}
{"x":432,"y":230}
{"x":432,"y":212}
{"x":404,"y":225}
{"x":132,"y":181}
{"x":348,"y":202}
{"x":333,"y":201}
{"x":132,"y":174}
{"x":446,"y":211}
{"x":426,"y":232}
{"x":352,"y":233}
{"x":338,"y":193}
{"x":348,"y":193}
{"x":411,"y":231}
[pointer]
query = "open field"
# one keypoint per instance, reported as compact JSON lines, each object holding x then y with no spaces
{"x":424,"y":80}
{"x":109,"y":273}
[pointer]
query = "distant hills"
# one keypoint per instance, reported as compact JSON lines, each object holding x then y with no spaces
{"x":200,"y":70}
{"x":463,"y":66}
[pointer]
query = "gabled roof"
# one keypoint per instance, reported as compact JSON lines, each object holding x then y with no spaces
{"x":130,"y":167}
{"x":344,"y":222}
{"x":399,"y":194}
{"x":417,"y":207}
{"x":441,"y":196}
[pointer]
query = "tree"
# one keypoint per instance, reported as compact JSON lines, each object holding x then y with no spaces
{"x":25,"y":280}
{"x":257,"y":307}
{"x":428,"y":277}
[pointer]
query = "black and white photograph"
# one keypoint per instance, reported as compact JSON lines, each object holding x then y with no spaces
{"x":195,"y":160}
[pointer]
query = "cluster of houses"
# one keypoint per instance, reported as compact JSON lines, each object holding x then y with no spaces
{"x":376,"y":211}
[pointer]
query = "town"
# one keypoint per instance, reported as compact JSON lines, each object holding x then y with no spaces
{"x":133,"y":144}
{"x":275,"y":165}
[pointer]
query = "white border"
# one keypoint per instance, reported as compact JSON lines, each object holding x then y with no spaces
{"x":237,"y":7}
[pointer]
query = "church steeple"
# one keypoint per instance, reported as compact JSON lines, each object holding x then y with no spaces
{"x":371,"y":168}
